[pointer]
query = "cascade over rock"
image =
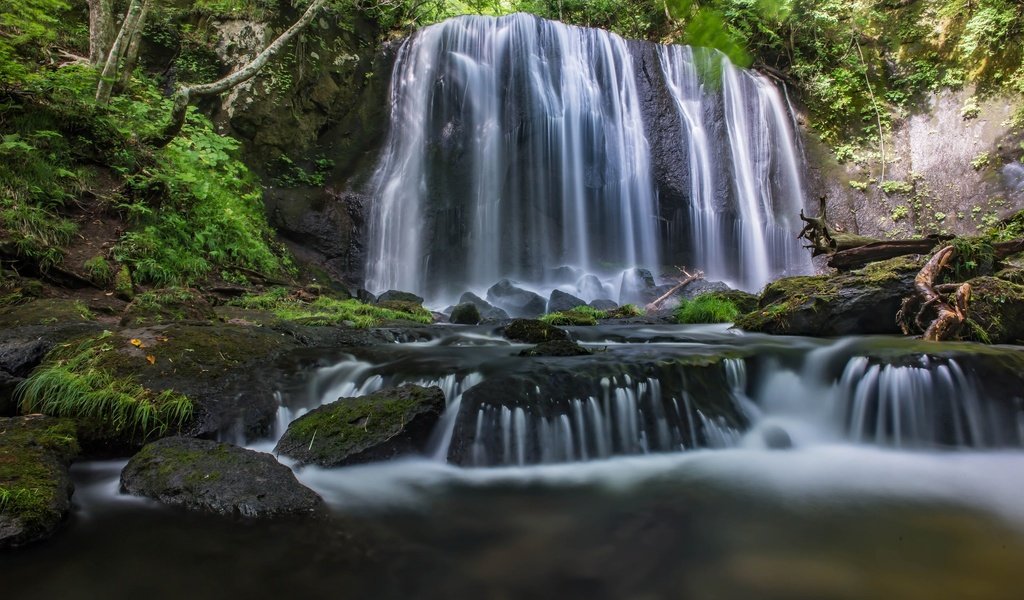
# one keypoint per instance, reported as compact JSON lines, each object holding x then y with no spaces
{"x":518,"y":143}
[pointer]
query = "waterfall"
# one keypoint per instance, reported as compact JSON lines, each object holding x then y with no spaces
{"x":517,"y":145}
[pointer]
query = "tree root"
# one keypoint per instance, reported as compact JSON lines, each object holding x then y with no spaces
{"x":931,"y":298}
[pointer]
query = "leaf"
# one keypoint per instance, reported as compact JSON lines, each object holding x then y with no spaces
{"x":137,"y":343}
{"x":151,"y":359}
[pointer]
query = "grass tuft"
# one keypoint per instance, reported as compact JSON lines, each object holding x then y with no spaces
{"x":73,"y":383}
{"x":707,"y":308}
{"x":324,"y":310}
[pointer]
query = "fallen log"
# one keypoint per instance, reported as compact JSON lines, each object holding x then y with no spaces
{"x":687,"y":280}
{"x":856,"y":257}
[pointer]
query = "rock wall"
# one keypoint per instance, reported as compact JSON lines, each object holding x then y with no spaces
{"x":954,"y":166}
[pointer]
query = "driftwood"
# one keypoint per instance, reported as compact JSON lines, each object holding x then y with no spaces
{"x":950,"y":316}
{"x":827,"y":240}
{"x":856,"y":257}
{"x":687,"y":279}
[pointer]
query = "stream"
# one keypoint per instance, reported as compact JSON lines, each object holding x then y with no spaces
{"x":677,"y":461}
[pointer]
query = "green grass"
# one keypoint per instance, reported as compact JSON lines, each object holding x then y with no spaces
{"x":579,"y":316}
{"x":324,"y":310}
{"x":707,"y":308}
{"x":73,"y":383}
{"x":626,"y":311}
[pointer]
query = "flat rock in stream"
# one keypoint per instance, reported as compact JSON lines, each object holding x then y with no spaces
{"x":218,"y":478}
{"x":380,"y":426}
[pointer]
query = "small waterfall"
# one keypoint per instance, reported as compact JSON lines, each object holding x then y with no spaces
{"x":628,"y":416}
{"x":934,"y":403}
{"x":518,"y":144}
{"x":749,"y":202}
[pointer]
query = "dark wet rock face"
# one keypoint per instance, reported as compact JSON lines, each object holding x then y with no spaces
{"x":604,"y":304}
{"x":488,"y":312}
{"x":556,"y":348}
{"x":218,"y":478}
{"x":18,"y":356}
{"x":381,"y":426}
{"x":35,"y":488}
{"x":516,"y":301}
{"x":560,"y":301}
{"x":531,"y":331}
{"x":399,"y":296}
{"x":637,"y":287}
{"x":465,"y":314}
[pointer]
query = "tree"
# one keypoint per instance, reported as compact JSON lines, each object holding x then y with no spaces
{"x":184,"y":94}
{"x":101,"y":30}
{"x":131,"y":28}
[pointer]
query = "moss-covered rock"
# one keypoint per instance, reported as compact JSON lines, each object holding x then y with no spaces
{"x":864,"y":301}
{"x":217,"y":478}
{"x":465,"y":314}
{"x":380,"y":426}
{"x":35,"y":488}
{"x":556,"y":348}
{"x":997,"y":311}
{"x":45,"y":311}
{"x":531,"y":331}
{"x":167,"y":305}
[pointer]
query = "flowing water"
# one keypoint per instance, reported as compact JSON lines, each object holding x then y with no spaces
{"x":517,"y":144}
{"x":677,"y":461}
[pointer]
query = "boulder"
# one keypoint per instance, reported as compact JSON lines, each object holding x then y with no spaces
{"x":864,"y":301}
{"x":637,"y":287}
{"x":997,"y":306}
{"x":398,"y":296}
{"x":465,"y":314}
{"x":603,"y":304}
{"x":589,"y":286}
{"x":365,"y":297}
{"x":488,"y":312}
{"x":559,"y":301}
{"x":556,"y":348}
{"x":701,"y":286}
{"x":35,"y":488}
{"x":218,"y":478}
{"x":531,"y":331}
{"x":515,"y":300}
{"x":380,"y":426}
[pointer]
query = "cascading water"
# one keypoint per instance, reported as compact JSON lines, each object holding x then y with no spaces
{"x":518,"y":144}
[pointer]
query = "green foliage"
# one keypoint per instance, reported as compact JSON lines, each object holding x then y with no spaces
{"x":899,"y":213}
{"x":324,"y":310}
{"x":893,"y":186}
{"x":98,"y":270}
{"x":974,"y":256}
{"x":26,"y":27}
{"x":981,"y":161}
{"x":210,"y":215}
{"x":123,"y":283}
{"x":293,"y":175}
{"x":73,"y":382}
{"x":707,"y":308}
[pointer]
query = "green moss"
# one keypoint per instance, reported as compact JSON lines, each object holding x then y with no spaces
{"x":33,"y":454}
{"x":324,"y":310}
{"x":625,"y":311}
{"x":579,"y":316}
{"x":98,"y":270}
{"x":44,"y":311}
{"x":74,"y":382}
{"x":123,"y":283}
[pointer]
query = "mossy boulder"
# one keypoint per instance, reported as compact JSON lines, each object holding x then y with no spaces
{"x":864,"y":301}
{"x":35,"y":488}
{"x":997,"y":308}
{"x":743,"y":301}
{"x":531,"y":331}
{"x":380,"y":426}
{"x":168,"y":305}
{"x":556,"y":348}
{"x":45,"y":311}
{"x":399,"y":296}
{"x":465,"y":314}
{"x":217,"y":478}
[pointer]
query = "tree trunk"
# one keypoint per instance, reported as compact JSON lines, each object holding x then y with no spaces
{"x":101,"y":30}
{"x":132,"y":23}
{"x":131,"y":53}
{"x":186,"y":93}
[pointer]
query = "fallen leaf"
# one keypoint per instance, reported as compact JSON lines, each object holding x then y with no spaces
{"x":137,"y":343}
{"x":151,"y":359}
